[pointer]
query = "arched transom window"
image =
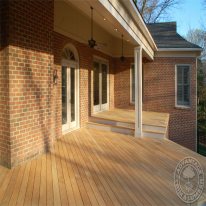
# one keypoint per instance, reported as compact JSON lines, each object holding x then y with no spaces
{"x":68,"y":54}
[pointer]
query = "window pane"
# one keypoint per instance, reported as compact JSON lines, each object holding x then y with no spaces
{"x":133,"y":84}
{"x":186,"y":75}
{"x":179,"y":75}
{"x":64,"y":95}
{"x":104,"y":84}
{"x":183,"y":85}
{"x":179,"y":94}
{"x":96,"y":83}
{"x":186,"y":95}
{"x":72,"y":86}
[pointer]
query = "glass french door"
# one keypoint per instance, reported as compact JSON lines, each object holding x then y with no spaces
{"x":100,"y":87}
{"x":69,"y":97}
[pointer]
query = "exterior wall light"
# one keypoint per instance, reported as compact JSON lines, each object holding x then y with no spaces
{"x":55,"y":77}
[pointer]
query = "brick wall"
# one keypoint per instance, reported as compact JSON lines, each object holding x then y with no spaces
{"x":4,"y":85}
{"x":4,"y":107}
{"x":122,"y":82}
{"x":159,"y":96}
{"x":30,"y":79}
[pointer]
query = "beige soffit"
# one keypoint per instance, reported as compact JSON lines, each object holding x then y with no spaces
{"x":117,"y":10}
{"x":180,"y":49}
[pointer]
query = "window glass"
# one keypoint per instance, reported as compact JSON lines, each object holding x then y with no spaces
{"x":133,"y":83}
{"x":183,"y":85}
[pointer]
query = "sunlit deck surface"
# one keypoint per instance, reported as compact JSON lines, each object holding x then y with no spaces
{"x":128,"y":115}
{"x":92,"y":167}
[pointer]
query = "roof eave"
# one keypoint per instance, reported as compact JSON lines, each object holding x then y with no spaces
{"x":180,"y":49}
{"x":141,"y":23}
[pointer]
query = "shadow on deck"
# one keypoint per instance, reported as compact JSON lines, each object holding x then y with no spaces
{"x":92,"y":167}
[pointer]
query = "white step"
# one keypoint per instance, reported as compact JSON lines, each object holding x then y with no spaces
{"x":154,"y":134}
{"x":127,"y":124}
{"x":111,"y":128}
{"x":124,"y":130}
{"x":111,"y":122}
{"x":154,"y":127}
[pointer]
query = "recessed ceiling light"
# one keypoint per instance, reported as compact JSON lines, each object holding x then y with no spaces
{"x":115,"y":29}
{"x":105,"y":19}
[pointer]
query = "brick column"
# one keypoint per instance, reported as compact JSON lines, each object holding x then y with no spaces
{"x":29,"y":69}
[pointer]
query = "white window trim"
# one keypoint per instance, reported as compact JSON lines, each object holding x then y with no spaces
{"x":131,"y":102}
{"x":177,"y":105}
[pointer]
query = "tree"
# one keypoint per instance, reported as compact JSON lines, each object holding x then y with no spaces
{"x":154,"y":10}
{"x":198,"y":36}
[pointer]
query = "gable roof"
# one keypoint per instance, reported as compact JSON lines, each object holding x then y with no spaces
{"x":166,"y":37}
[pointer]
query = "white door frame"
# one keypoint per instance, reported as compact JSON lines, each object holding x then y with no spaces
{"x":70,"y":126}
{"x":101,"y":107}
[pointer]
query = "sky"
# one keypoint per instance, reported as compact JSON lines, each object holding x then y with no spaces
{"x":190,"y":14}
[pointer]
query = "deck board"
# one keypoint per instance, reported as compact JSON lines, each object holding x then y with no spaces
{"x":92,"y":167}
{"x":128,"y":116}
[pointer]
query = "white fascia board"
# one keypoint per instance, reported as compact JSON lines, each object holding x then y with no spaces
{"x":143,"y":25}
{"x":107,"y":4}
{"x":180,"y":49}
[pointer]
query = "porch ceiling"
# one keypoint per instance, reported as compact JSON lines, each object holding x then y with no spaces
{"x":108,"y":21}
{"x":102,"y":18}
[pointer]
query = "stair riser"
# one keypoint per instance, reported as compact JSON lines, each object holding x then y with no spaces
{"x":154,"y":135}
{"x":111,"y":129}
{"x":110,"y":122}
{"x":127,"y":125}
{"x":124,"y":131}
{"x":154,"y":128}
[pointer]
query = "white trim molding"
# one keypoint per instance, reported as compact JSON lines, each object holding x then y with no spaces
{"x":138,"y":91}
{"x":135,"y":13}
{"x":128,"y":25}
{"x":180,"y":49}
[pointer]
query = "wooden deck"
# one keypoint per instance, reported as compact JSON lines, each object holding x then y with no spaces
{"x":91,"y":167}
{"x":128,"y":115}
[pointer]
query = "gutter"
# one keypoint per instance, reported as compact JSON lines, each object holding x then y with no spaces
{"x":180,"y":49}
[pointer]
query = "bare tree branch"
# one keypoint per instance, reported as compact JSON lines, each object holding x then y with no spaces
{"x":153,"y":10}
{"x":198,"y":37}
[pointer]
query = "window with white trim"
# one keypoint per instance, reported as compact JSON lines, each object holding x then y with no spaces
{"x":183,"y":85}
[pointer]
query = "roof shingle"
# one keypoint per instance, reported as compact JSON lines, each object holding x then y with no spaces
{"x":165,"y":36}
